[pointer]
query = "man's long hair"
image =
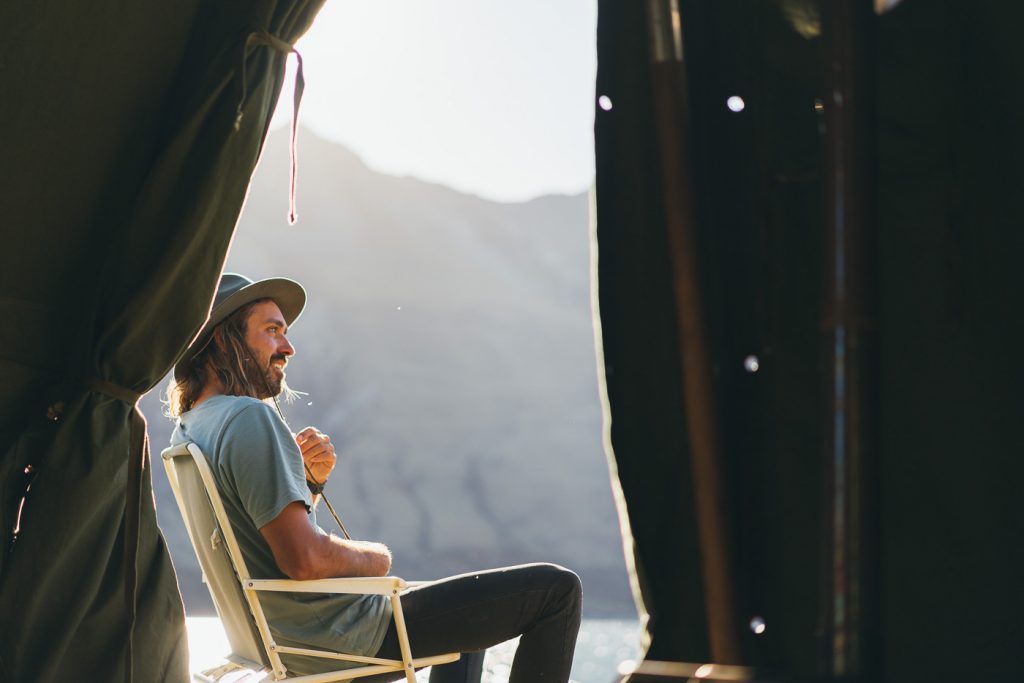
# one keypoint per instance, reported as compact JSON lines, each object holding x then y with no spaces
{"x":232,"y":360}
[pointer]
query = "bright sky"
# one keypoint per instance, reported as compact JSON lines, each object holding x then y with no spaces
{"x":490,"y":97}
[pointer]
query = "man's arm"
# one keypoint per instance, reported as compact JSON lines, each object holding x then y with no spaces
{"x":304,"y":552}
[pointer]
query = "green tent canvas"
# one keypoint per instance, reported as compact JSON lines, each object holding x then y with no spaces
{"x":129,"y":136}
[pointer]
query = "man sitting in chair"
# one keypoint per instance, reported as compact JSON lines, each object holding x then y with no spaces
{"x":270,"y":481}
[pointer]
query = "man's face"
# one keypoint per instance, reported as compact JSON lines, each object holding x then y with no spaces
{"x":265,"y":333}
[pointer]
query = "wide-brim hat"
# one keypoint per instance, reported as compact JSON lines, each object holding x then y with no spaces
{"x":234,"y":292}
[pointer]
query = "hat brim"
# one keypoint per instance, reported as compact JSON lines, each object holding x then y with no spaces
{"x":289,"y":296}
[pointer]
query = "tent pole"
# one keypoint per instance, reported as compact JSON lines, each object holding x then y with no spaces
{"x":848,"y":602}
{"x":672,"y":120}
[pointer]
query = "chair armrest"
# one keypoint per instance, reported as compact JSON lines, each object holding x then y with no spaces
{"x":372,"y":585}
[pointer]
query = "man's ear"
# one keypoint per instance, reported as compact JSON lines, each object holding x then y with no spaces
{"x":218,"y":338}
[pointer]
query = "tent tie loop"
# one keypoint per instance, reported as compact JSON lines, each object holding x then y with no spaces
{"x":113,"y":390}
{"x":263,"y":38}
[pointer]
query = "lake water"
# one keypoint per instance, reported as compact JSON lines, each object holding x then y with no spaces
{"x":601,"y":646}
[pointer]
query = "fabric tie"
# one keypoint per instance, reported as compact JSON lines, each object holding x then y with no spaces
{"x":113,"y":390}
{"x":264,"y":38}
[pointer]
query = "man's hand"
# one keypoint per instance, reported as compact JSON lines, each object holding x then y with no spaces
{"x":317,"y":453}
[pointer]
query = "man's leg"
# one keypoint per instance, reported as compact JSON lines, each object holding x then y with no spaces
{"x":468,"y":669}
{"x":471,"y":612}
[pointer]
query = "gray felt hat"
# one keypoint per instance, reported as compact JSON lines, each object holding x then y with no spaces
{"x":235,"y":291}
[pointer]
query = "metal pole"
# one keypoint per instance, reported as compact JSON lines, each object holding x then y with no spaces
{"x":671,"y":110}
{"x":848,"y":605}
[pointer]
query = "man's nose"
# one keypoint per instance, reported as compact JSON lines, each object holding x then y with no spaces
{"x":286,"y":347}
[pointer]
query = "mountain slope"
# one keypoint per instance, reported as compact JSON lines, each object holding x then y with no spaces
{"x":448,"y":350}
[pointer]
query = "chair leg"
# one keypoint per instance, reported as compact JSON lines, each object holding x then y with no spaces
{"x":403,"y":638}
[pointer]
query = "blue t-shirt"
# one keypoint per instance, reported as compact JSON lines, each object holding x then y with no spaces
{"x":258,"y":468}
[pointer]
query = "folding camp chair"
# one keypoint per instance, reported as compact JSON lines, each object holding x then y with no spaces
{"x":234,"y":592}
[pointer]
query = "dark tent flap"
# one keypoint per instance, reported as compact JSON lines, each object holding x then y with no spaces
{"x":127,"y":174}
{"x":945,"y":459}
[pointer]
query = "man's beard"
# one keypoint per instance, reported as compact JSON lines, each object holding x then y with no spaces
{"x":275,"y":380}
{"x":268,"y":383}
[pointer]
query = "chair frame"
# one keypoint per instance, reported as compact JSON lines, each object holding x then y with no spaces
{"x":391,"y":586}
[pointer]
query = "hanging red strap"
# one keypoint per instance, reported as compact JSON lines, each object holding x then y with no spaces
{"x":264,"y":38}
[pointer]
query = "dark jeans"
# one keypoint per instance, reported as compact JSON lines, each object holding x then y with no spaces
{"x":471,"y":612}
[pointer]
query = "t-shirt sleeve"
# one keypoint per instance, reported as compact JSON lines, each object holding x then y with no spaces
{"x":261,"y":460}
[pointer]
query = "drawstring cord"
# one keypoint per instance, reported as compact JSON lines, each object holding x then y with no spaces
{"x":329,"y":506}
{"x":264,"y":38}
{"x":319,"y":484}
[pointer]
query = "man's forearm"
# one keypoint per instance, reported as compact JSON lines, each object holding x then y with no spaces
{"x":304,"y":551}
{"x":339,"y":557}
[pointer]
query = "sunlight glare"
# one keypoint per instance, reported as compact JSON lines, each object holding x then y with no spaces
{"x":414,"y":91}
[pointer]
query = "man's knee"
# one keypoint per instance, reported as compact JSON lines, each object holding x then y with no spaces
{"x":563,"y":582}
{"x":571,"y":581}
